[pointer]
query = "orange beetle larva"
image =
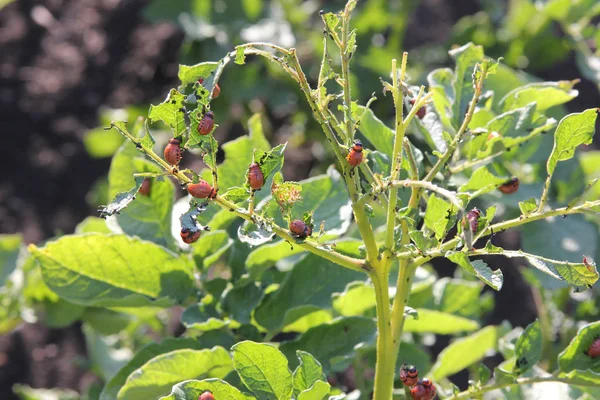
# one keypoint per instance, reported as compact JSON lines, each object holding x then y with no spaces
{"x":202,"y":190}
{"x":173,"y":151}
{"x":256,"y":178}
{"x":355,"y":156}
{"x":299,"y":229}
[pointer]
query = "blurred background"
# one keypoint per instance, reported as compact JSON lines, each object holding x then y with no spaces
{"x":68,"y":67}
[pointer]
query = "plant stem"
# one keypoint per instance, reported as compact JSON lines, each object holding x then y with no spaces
{"x":406,"y":274}
{"x":413,"y":184}
{"x":398,"y":96}
{"x":353,"y":184}
{"x":502,"y":226}
{"x":346,"y":77}
{"x":297,"y":74}
{"x":308,"y":244}
{"x":463,"y":128}
{"x":317,"y":111}
{"x":413,"y":171}
{"x":386,"y":357}
{"x":469,"y":394}
{"x":251,"y":204}
{"x":517,"y":141}
{"x":544,"y":197}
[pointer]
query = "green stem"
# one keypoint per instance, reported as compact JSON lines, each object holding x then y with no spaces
{"x":470,"y":393}
{"x":406,"y":274}
{"x":353,"y":184}
{"x":386,"y":357}
{"x":308,"y":244}
{"x":397,"y":150}
{"x":346,"y":77}
{"x":517,"y":142}
{"x":413,"y":171}
{"x":297,"y":74}
{"x":502,"y":226}
{"x":413,"y":184}
{"x":317,"y":111}
{"x":251,"y":204}
{"x":544,"y":197}
{"x":463,"y":128}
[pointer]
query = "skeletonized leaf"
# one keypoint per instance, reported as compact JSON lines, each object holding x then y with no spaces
{"x":191,"y":73}
{"x":169,"y":112}
{"x":478,"y":268}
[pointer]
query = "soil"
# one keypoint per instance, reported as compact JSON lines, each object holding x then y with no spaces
{"x":62,"y":60}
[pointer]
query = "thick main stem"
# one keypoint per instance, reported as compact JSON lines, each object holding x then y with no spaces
{"x":386,"y":357}
{"x":406,"y":274}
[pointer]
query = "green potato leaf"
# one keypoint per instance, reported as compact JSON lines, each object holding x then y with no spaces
{"x":159,"y":374}
{"x":466,"y":351}
{"x":572,"y":131}
{"x":528,"y":350}
{"x":263,"y":369}
{"x":113,"y":270}
{"x":308,"y":373}
{"x":148,"y":352}
{"x":170,"y":112}
{"x":309,"y":283}
{"x":574,"y":356}
{"x":318,"y":391}
{"x":465,"y":58}
{"x":439,"y":322}
{"x":333,"y":342}
{"x":191,"y":73}
{"x":192,"y":389}
{"x":544,"y":94}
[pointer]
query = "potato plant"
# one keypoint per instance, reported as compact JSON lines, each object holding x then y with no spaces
{"x":282,"y":286}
